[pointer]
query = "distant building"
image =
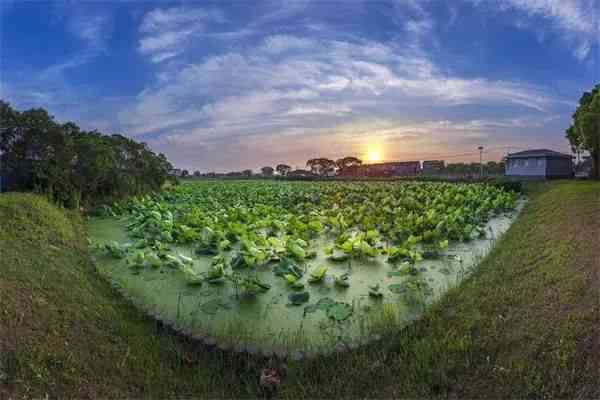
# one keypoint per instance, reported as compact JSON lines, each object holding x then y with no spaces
{"x":395,"y":168}
{"x":539,"y":164}
{"x":433,"y":166}
{"x":353,"y":170}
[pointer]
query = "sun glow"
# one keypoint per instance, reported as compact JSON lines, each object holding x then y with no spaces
{"x":374,"y":154}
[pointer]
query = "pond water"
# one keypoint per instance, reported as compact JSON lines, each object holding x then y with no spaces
{"x":269,"y":320}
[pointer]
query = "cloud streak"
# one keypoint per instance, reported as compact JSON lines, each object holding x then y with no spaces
{"x":166,"y":32}
{"x":276,"y":83}
{"x":575,"y":19}
{"x":231,"y":87}
{"x":303,"y":87}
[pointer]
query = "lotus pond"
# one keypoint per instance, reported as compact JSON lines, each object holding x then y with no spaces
{"x":301,"y":266}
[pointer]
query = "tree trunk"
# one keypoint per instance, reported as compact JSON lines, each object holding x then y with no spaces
{"x":596,"y":165}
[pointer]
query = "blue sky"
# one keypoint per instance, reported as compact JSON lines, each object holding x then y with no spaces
{"x":229,"y":85}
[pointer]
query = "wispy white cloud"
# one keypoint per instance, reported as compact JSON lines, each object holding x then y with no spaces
{"x":366,"y":76}
{"x":281,"y":43}
{"x":93,"y":29}
{"x":166,"y":32}
{"x":271,"y":88}
{"x":575,"y":20}
{"x":88,"y":33}
{"x":317,"y":92}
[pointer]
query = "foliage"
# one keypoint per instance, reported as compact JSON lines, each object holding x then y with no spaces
{"x":324,"y":303}
{"x":267,"y":171}
{"x":321,"y":166}
{"x":342,"y":281}
{"x":470,"y":169}
{"x":288,"y":266}
{"x":339,"y":311}
{"x":318,"y":275}
{"x":299,"y":298}
{"x":216,"y":273}
{"x":283,"y":169}
{"x":375,"y":291}
{"x":509,"y":185}
{"x":72,"y":166}
{"x":294,"y":281}
{"x":117,"y":250}
{"x":584,"y":132}
{"x":281,"y":226}
{"x":346,"y":165}
{"x":431,"y":358}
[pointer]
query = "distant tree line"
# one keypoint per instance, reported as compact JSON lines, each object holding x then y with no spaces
{"x":351,"y":166}
{"x":72,"y":166}
{"x":489,"y":168}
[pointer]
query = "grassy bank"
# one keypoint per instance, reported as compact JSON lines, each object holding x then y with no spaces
{"x":525,"y":324}
{"x":66,"y":334}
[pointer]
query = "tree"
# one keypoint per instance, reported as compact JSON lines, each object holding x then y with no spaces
{"x":348,"y":166}
{"x":348,"y":162}
{"x":300,"y":173}
{"x":185,"y":173}
{"x":495,"y":168}
{"x":197,"y":174}
{"x":70,"y":165}
{"x":247,"y":173}
{"x":283,"y":169}
{"x":584,"y":132}
{"x":267,"y":171}
{"x":321,"y":166}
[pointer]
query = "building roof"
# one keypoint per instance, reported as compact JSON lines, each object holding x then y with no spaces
{"x":539,"y":153}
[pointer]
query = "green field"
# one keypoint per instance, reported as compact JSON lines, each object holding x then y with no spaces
{"x":524,"y":323}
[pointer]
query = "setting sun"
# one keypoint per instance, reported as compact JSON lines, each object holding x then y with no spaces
{"x":374,"y":154}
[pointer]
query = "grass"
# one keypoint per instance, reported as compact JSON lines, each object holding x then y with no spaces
{"x":66,"y":333}
{"x":525,"y":324}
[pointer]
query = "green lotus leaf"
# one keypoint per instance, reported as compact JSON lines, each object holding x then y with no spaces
{"x":299,"y":298}
{"x":339,"y":311}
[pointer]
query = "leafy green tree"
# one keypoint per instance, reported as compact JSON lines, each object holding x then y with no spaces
{"x":321,"y":166}
{"x":283,"y":169}
{"x":348,"y":162}
{"x":267,"y":171}
{"x":71,"y":166}
{"x":584,"y":132}
{"x":96,"y":171}
{"x":494,"y":168}
{"x":348,"y":166}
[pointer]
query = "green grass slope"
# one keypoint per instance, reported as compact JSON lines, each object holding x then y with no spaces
{"x":65,"y":333}
{"x":526,"y":324}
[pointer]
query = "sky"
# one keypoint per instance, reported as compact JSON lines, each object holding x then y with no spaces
{"x":220,"y":86}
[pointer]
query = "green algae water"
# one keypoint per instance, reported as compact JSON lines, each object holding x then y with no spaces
{"x":269,"y":320}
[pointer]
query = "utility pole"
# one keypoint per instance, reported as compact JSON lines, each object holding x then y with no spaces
{"x":480,"y":148}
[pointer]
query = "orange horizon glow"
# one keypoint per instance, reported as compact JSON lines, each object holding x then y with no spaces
{"x":374,"y":153}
